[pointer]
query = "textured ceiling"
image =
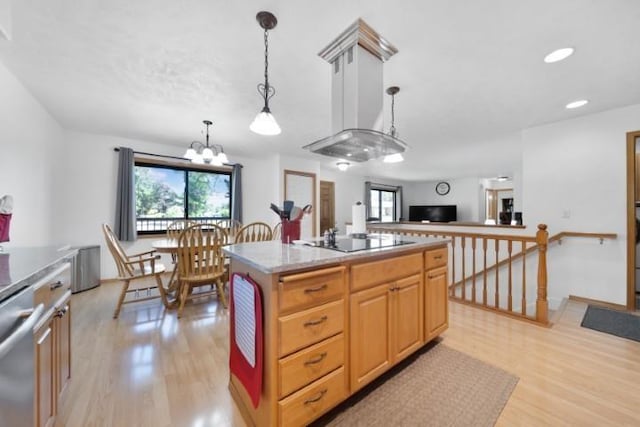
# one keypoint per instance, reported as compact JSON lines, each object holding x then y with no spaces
{"x":471,"y":73}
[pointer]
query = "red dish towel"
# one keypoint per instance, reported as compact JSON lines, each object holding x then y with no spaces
{"x":245,"y":358}
{"x":5,"y":221}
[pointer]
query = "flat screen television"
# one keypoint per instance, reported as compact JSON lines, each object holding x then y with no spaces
{"x":433,"y":213}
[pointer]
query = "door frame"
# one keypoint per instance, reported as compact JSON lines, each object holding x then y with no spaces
{"x":631,"y":219}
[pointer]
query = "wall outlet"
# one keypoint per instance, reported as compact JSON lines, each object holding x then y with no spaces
{"x":566,"y":214}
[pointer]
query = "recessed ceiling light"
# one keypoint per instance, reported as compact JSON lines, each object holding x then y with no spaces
{"x":348,"y":154}
{"x":343,"y":166}
{"x":559,"y":55}
{"x":577,"y":104}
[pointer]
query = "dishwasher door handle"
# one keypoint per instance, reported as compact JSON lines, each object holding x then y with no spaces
{"x":21,"y":331}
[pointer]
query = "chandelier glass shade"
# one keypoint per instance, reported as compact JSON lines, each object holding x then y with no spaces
{"x":265,"y":123}
{"x":205,"y":153}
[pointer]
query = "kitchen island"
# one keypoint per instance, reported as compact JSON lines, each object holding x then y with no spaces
{"x":333,"y":321}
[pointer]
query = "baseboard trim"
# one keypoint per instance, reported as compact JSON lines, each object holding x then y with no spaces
{"x":598,"y":302}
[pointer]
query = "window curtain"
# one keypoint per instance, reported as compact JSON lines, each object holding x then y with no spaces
{"x":125,"y":224}
{"x":236,"y":192}
{"x":367,"y":199}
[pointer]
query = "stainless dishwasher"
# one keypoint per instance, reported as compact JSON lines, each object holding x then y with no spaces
{"x":17,"y":319}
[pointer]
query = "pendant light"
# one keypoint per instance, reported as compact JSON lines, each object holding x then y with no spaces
{"x":397,"y":157}
{"x":265,"y":123}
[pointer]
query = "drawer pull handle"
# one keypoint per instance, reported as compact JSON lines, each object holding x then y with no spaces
{"x":62,"y":311}
{"x":315,"y":322}
{"x":318,"y":289}
{"x":437,"y":257}
{"x":316,"y":359}
{"x":56,"y":285}
{"x":315,"y":399}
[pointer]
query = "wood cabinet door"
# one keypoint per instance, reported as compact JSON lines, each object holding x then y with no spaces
{"x":407,"y":316}
{"x":44,"y":392}
{"x":436,"y":302}
{"x":63,"y":348}
{"x":370,"y":334}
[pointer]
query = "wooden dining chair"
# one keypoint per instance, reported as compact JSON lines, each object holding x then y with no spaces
{"x":201,"y":262}
{"x":173,"y":232}
{"x":135,"y":267}
{"x":231,"y":226}
{"x":276,"y":231}
{"x":254,"y":232}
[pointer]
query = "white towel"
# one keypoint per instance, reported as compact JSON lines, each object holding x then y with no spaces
{"x":6,"y":204}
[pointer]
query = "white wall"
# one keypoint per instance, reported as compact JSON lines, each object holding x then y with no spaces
{"x":464,"y":193}
{"x":574,"y":177}
{"x":30,"y":143}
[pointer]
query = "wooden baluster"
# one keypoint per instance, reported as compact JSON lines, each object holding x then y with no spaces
{"x":453,"y":265}
{"x":509,"y":302}
{"x":542,"y":305}
{"x":524,"y":278}
{"x":473,"y":281}
{"x":464,"y":279}
{"x":497,"y":293}
{"x":484,"y":271}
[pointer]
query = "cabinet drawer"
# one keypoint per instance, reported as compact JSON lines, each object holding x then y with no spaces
{"x":308,"y":327}
{"x":435,"y":258}
{"x":386,"y":270}
{"x":314,"y":400}
{"x":49,"y":290}
{"x":308,"y":365}
{"x":299,"y":291}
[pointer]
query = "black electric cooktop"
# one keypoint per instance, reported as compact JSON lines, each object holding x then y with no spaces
{"x":371,"y":242}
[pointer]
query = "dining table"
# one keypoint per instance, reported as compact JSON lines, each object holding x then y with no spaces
{"x":169,"y":246}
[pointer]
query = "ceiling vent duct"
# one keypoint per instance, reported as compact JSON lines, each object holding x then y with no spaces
{"x":356,"y":57}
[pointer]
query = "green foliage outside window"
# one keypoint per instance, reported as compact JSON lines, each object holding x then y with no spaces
{"x":173,"y":193}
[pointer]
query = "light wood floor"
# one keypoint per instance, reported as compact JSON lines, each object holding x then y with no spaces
{"x":150,"y":369}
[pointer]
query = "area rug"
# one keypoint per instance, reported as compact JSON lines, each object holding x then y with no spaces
{"x":438,"y":386}
{"x":613,"y":322}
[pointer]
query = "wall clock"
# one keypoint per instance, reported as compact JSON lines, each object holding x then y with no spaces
{"x":442,"y":188}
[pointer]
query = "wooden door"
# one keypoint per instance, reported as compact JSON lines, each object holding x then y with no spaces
{"x":436,"y":303}
{"x":63,"y":350}
{"x":370,"y":334}
{"x":44,"y":393}
{"x":407,"y":317}
{"x":327,"y":206}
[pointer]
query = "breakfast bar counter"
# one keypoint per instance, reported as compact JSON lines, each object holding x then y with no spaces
{"x":328,"y":321}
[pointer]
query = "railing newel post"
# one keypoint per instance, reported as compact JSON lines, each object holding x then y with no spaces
{"x":542,"y":305}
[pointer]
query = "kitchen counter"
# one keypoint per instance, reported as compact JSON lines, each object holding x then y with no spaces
{"x":276,"y":257}
{"x":330,"y":322}
{"x":21,"y":267}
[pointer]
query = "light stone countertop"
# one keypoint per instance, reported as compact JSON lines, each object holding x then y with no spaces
{"x":276,"y":257}
{"x":22,"y":266}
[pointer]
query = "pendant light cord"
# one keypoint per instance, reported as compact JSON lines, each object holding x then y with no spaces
{"x":393,"y":116}
{"x":264,"y":89}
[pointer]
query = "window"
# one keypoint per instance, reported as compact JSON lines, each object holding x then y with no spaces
{"x":383,"y":205}
{"x":168,"y":193}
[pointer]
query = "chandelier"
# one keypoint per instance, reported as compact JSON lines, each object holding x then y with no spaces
{"x":200,"y":153}
{"x":265,"y":123}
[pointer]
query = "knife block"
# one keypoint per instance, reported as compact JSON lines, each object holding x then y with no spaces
{"x":290,"y":231}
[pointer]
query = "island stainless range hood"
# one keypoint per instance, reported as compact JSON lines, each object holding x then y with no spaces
{"x":356,"y":57}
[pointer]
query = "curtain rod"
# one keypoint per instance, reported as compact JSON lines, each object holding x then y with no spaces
{"x":170,"y":157}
